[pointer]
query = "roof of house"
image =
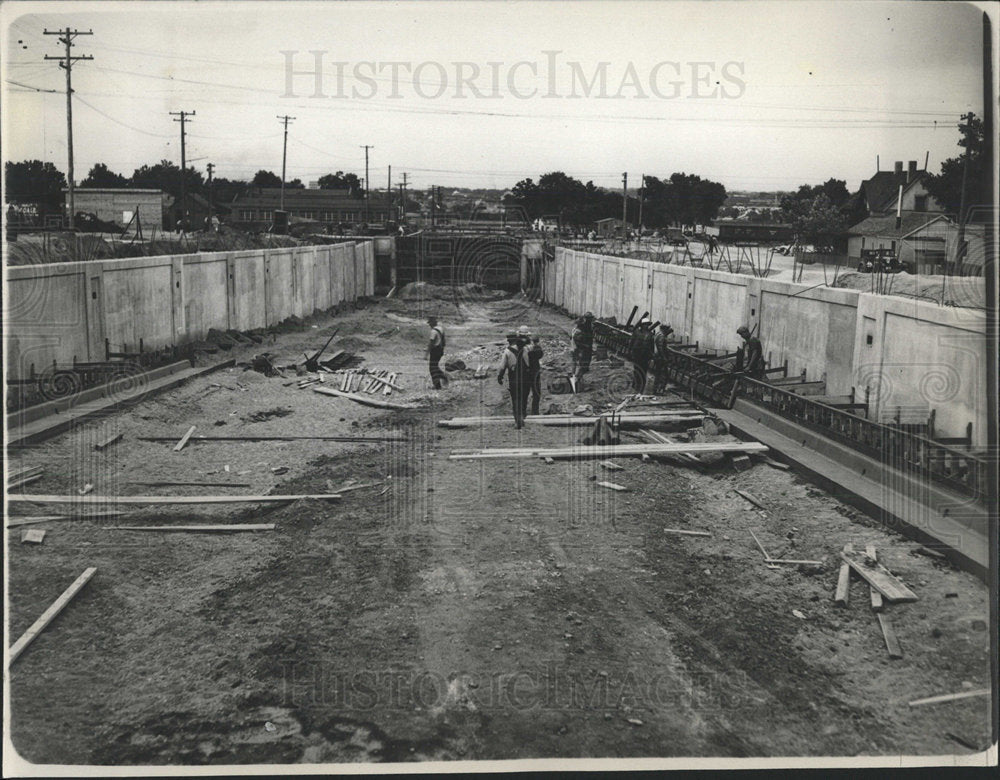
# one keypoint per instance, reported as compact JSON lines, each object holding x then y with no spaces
{"x":302,"y":198}
{"x":114,"y":190}
{"x":882,"y":189}
{"x":886,"y":226}
{"x":747,"y":223}
{"x":197,"y":200}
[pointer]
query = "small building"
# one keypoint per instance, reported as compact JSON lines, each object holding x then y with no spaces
{"x":736,"y":230}
{"x":880,"y":194}
{"x":198,"y":209}
{"x":334,"y":208}
{"x":916,"y":244}
{"x":119,"y":205}
{"x":609,"y":226}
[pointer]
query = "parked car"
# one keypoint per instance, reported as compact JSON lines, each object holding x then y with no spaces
{"x":879,"y":261}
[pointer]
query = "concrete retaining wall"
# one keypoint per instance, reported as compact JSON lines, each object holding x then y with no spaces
{"x":908,"y":353}
{"x":63,"y":311}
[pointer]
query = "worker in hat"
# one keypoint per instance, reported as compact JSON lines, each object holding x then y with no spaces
{"x":641,"y":352}
{"x":435,"y":351}
{"x":750,"y":357}
{"x":660,"y":355}
{"x":535,"y":353}
{"x":514,"y":364}
{"x":583,"y":349}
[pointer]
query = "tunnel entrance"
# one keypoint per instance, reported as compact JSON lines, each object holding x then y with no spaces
{"x":456,"y":259}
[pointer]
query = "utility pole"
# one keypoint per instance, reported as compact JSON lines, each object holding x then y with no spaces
{"x":66,"y":62}
{"x":642,"y":192}
{"x":960,"y":247}
{"x":366,"y":148}
{"x":402,"y":211}
{"x":284,"y":157}
{"x":210,"y":167}
{"x":184,"y":117}
{"x":624,"y":203}
{"x":388,"y":193}
{"x":433,"y":205}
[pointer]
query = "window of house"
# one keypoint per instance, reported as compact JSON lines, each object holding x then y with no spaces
{"x":920,"y":203}
{"x":266,"y":214}
{"x":328,"y":216}
{"x":246,"y":215}
{"x":307,"y":214}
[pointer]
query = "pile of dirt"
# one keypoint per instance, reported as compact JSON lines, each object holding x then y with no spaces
{"x":961,"y":291}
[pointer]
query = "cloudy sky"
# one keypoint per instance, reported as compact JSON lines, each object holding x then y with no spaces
{"x":757,"y":95}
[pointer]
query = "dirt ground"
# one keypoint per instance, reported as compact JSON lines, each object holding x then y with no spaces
{"x":473,"y":610}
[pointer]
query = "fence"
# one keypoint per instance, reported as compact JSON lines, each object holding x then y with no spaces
{"x":65,"y":312}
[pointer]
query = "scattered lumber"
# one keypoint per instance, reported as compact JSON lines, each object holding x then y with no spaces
{"x":743,"y":494}
{"x":685,"y":532}
{"x":157,"y":500}
{"x":277,"y":438}
{"x":891,"y":643}
{"x":349,"y":488}
{"x":842,"y":596}
{"x":233,"y":528}
{"x":950,"y":697}
{"x":879,"y":577}
{"x":184,"y":440}
{"x":14,"y":522}
{"x":612,"y":486}
{"x":777,"y":464}
{"x":28,"y":471}
{"x":25,"y":480}
{"x":606,"y":452}
{"x":362,"y":399}
{"x":742,"y":463}
{"x":103,"y":445}
{"x":33,"y":536}
{"x":876,"y":597}
{"x":610,"y":465}
{"x":795,"y":561}
{"x":50,"y":614}
{"x":657,"y":437}
{"x":759,"y":545}
{"x":190,"y":484}
{"x":624,"y":419}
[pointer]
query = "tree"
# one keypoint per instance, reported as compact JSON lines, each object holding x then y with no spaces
{"x":683,"y":199}
{"x":823,"y":224}
{"x":340,"y":181}
{"x":266,"y":179}
{"x":34,"y":181}
{"x":101,"y":176}
{"x":167,"y":176}
{"x":294,"y":184}
{"x":946,"y":187}
{"x":226,"y":190}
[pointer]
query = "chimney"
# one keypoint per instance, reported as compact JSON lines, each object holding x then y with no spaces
{"x":911,"y":171}
{"x":899,"y":167}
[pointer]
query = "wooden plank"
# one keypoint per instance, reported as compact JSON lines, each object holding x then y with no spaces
{"x":15,"y":474}
{"x":190,"y":484}
{"x":362,"y":399}
{"x":795,"y":561}
{"x":569,"y":420}
{"x":50,"y":614}
{"x":196,"y":528}
{"x":24,"y":481}
{"x":755,"y":501}
{"x":950,"y":697}
{"x":14,"y":522}
{"x":108,"y":442}
{"x":347,"y":438}
{"x":876,"y":597}
{"x":612,"y":486}
{"x":879,"y":577}
{"x":157,"y":500}
{"x":608,"y":451}
{"x":685,"y":532}
{"x":357,"y":487}
{"x":33,"y":536}
{"x":843,"y":594}
{"x":184,"y":440}
{"x":387,"y":382}
{"x":766,"y":556}
{"x":891,"y":643}
{"x":656,"y":436}
{"x":610,"y":465}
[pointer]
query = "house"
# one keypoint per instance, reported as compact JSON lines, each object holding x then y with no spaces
{"x":198,"y":210}
{"x":119,"y":205}
{"x":731,"y":230}
{"x":256,"y":207}
{"x":880,"y":194}
{"x":942,"y":246}
{"x":913,"y":243}
{"x":609,"y":226}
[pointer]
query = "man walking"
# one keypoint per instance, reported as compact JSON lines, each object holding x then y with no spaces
{"x":435,"y":351}
{"x":583,"y":349}
{"x":641,"y":351}
{"x":660,"y":342}
{"x":514,"y":363}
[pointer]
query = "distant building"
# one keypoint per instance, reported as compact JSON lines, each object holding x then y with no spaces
{"x":879,"y":194}
{"x":609,"y":226}
{"x":924,"y":243}
{"x":197,"y":208}
{"x":332,"y":207}
{"x":118,"y":205}
{"x":733,"y":230}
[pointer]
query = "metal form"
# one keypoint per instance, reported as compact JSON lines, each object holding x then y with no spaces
{"x":842,"y":419}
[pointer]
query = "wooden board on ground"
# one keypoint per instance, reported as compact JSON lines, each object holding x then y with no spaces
{"x":196,"y":528}
{"x":612,"y":486}
{"x":570,"y":420}
{"x":27,"y":480}
{"x":607,"y":451}
{"x":190,"y":484}
{"x":156,"y":500}
{"x":685,"y":532}
{"x":50,"y":614}
{"x":843,"y":594}
{"x":362,"y":399}
{"x":14,"y":522}
{"x":752,"y":499}
{"x":951,"y":697}
{"x":34,"y":536}
{"x":879,"y":577}
{"x":108,"y":442}
{"x":891,"y":643}
{"x":184,"y":439}
{"x":876,"y":597}
{"x":610,"y":465}
{"x":267,"y":437}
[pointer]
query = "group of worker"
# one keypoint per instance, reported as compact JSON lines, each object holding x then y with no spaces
{"x":521,"y":360}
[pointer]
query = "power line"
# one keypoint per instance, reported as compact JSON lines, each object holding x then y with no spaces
{"x":66,"y":62}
